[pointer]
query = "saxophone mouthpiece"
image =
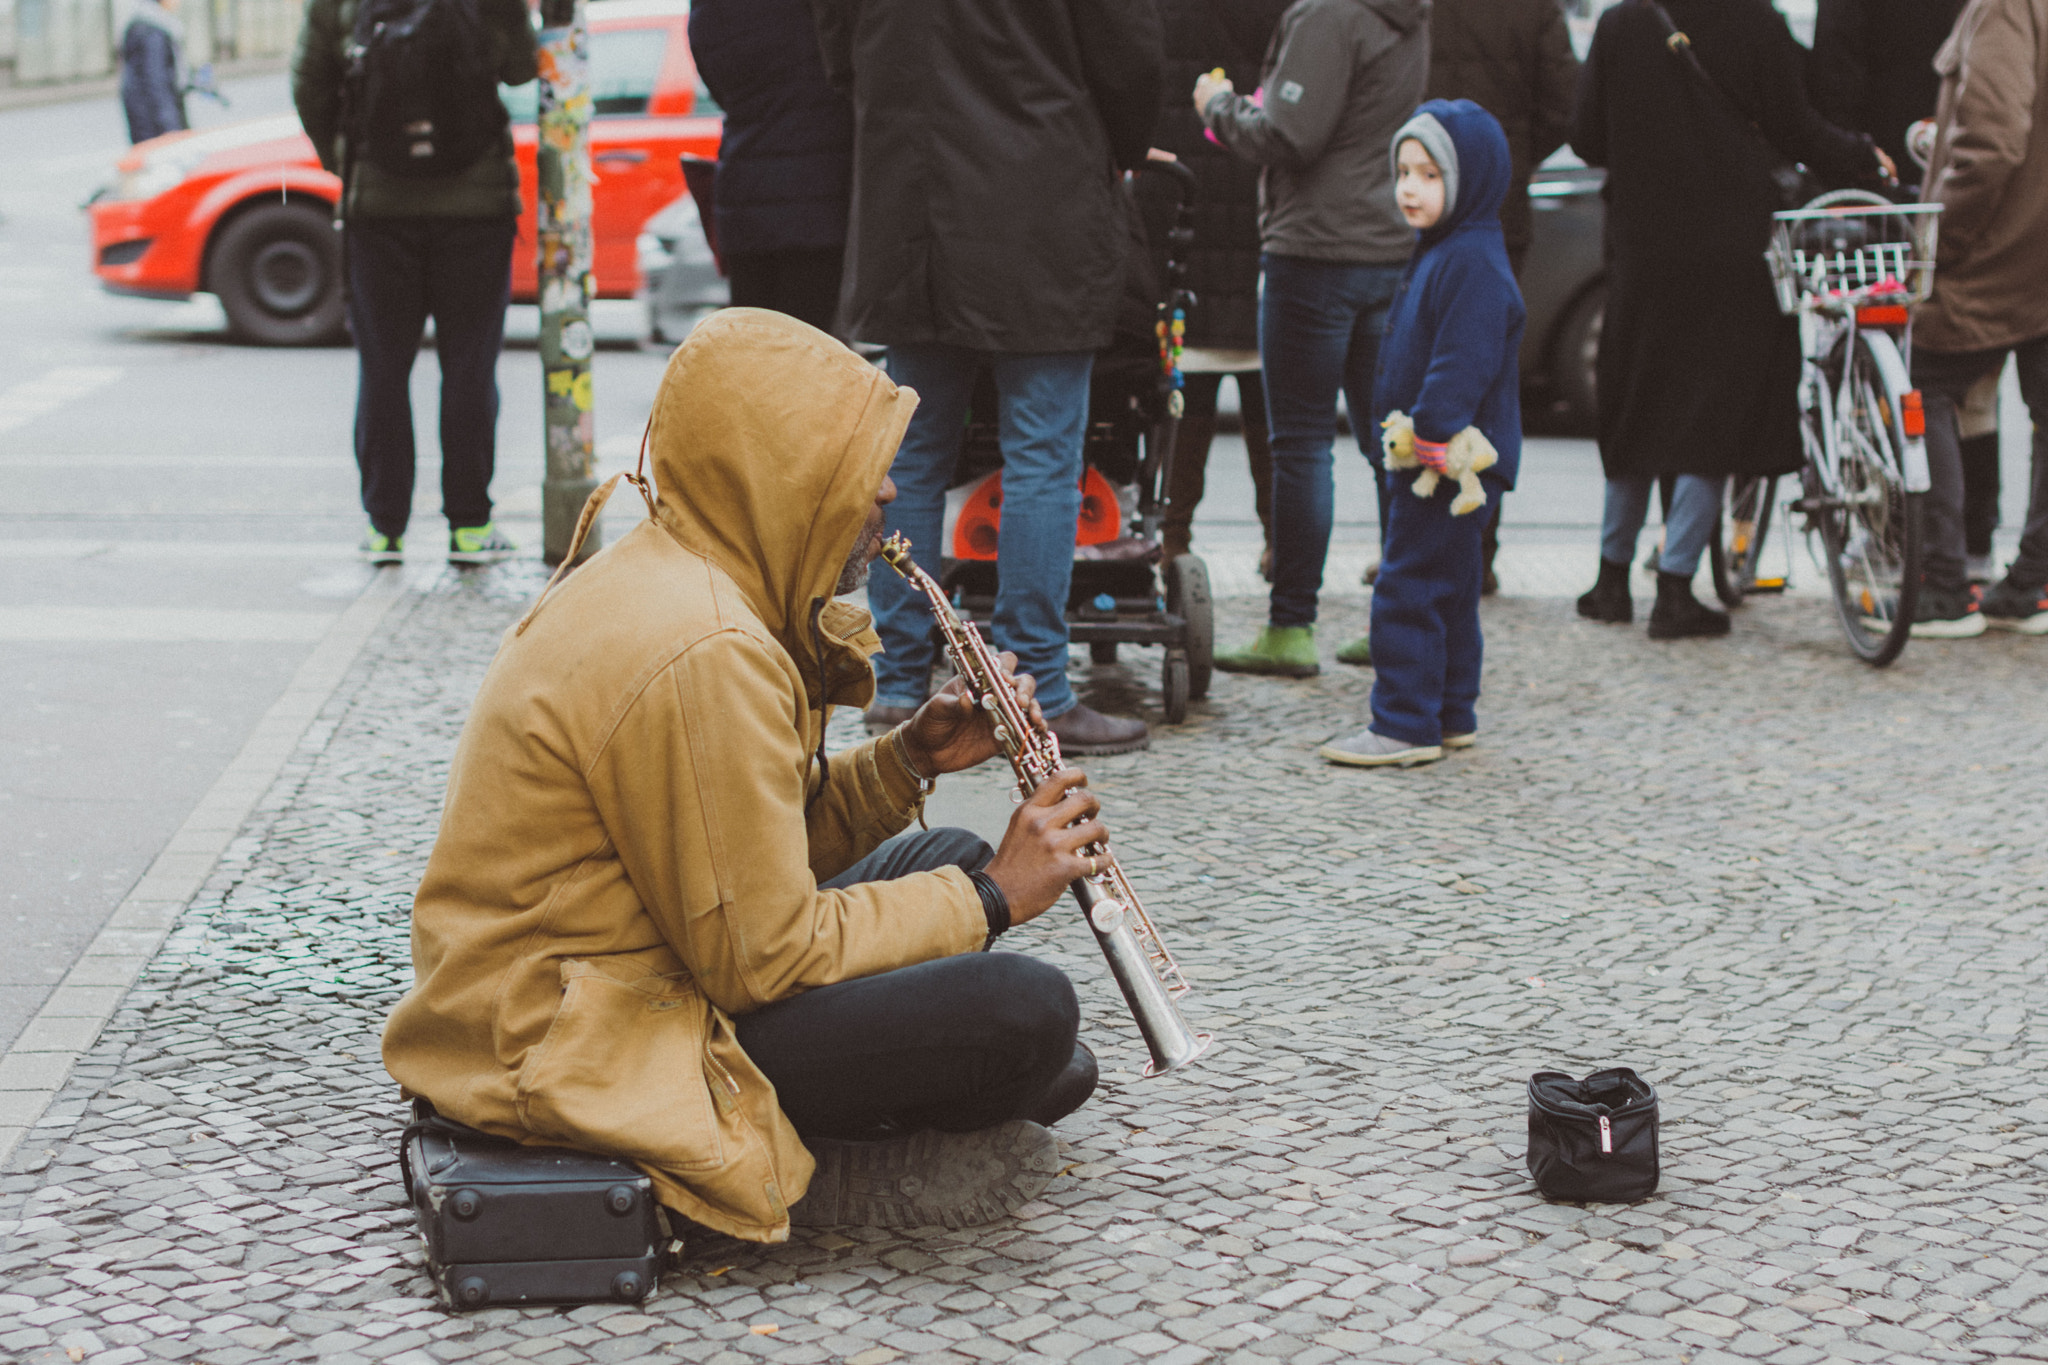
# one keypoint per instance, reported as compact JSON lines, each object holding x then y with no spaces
{"x":896,"y":550}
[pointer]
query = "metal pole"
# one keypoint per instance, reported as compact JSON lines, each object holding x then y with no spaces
{"x":562,"y":231}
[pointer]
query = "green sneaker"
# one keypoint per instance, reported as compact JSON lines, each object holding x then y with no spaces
{"x":1280,"y":651}
{"x":483,"y":544}
{"x":378,"y":548}
{"x":1357,"y":653}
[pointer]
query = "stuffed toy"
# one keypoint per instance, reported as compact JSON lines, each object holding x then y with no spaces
{"x":1464,"y":456}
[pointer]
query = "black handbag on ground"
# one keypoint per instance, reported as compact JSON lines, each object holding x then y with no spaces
{"x":508,"y":1224}
{"x":1595,"y":1140}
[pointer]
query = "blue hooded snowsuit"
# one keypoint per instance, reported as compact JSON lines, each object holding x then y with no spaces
{"x":1448,"y":360}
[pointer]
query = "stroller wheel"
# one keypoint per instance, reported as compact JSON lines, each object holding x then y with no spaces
{"x":1102,"y":652}
{"x":1187,"y":596}
{"x":1173,"y":686}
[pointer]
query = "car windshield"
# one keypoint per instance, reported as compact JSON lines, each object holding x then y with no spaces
{"x":625,"y":64}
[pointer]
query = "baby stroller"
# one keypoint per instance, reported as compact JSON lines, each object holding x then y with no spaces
{"x":1122,"y":594}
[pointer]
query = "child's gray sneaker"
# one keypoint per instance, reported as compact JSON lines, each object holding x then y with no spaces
{"x":957,"y":1180}
{"x":1369,"y":750}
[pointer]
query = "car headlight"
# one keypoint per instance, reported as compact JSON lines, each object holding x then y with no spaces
{"x":150,"y":179}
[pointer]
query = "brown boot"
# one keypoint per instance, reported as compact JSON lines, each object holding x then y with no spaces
{"x":1085,"y":730}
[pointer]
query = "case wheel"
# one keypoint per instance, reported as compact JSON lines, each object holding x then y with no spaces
{"x":1187,"y":596}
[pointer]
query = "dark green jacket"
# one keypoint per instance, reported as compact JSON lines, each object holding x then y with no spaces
{"x":488,"y":189}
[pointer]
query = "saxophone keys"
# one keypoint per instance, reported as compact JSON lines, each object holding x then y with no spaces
{"x":1107,"y":916}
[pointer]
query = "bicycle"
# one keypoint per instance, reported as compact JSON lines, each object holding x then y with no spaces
{"x":1850,"y":266}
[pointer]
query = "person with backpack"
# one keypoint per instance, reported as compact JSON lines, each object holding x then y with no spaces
{"x":400,"y":99}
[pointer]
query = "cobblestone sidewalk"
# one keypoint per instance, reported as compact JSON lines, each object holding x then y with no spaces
{"x":1806,"y":899}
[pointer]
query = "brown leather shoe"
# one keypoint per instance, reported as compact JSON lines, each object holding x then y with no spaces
{"x":1084,"y":730}
{"x":881,"y":718}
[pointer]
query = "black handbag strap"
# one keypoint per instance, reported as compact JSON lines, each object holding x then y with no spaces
{"x":1681,"y":47}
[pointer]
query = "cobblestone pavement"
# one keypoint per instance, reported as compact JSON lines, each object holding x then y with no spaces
{"x":1805,"y":898}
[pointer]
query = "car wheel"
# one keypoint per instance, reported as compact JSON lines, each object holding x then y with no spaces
{"x":277,"y":272}
{"x":1575,"y":360}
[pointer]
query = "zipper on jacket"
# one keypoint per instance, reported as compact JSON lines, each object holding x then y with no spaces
{"x":734,"y":1086}
{"x":1606,"y":1135}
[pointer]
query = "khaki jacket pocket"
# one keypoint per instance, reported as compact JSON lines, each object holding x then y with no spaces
{"x":624,"y":1068}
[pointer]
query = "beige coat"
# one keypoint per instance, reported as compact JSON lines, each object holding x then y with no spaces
{"x":1990,"y":174}
{"x":637,"y":817}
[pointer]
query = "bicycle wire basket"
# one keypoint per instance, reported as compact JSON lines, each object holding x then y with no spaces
{"x":1846,"y":256}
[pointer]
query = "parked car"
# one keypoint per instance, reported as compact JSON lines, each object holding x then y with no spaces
{"x":1564,"y":286}
{"x":679,"y":271}
{"x":245,"y":212}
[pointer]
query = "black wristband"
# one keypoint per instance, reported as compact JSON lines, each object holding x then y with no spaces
{"x":994,"y":905}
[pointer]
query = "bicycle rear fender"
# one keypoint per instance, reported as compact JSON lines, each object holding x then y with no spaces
{"x":1884,"y":352}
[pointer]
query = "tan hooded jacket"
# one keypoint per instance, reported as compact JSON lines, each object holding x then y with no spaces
{"x":637,"y":817}
{"x":1990,"y":174}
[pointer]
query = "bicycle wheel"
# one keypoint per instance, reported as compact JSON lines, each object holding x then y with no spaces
{"x":1738,"y":544}
{"x":1869,"y":523}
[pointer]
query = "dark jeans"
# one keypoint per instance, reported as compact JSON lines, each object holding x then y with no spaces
{"x":401,"y":271}
{"x":1943,"y":378}
{"x":1320,"y":324}
{"x":802,"y":283}
{"x":1191,"y":455}
{"x":955,"y":1044}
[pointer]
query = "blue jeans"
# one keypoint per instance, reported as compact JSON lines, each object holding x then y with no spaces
{"x":1320,"y":324}
{"x":1687,"y":522}
{"x":1042,"y":414}
{"x":1426,"y":644}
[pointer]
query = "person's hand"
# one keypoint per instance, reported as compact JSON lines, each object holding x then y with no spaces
{"x":1159,"y":154}
{"x":1920,"y":141}
{"x":1208,"y":86}
{"x":950,"y":734}
{"x":1041,"y":850}
{"x":1433,"y":455}
{"x":1889,"y":166}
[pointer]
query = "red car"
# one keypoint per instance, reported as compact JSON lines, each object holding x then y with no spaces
{"x":246,"y":212}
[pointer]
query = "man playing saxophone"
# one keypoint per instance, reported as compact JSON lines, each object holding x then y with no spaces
{"x":659,"y":922}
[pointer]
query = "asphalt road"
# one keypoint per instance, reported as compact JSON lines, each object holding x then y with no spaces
{"x":177,"y":522}
{"x":178,"y":515}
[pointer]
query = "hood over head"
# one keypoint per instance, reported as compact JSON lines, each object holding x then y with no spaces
{"x":1470,"y":149}
{"x":769,"y":440}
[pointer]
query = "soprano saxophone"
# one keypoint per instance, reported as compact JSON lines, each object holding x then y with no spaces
{"x":1146,"y":973}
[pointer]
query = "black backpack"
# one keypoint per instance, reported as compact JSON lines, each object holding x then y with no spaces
{"x":420,"y":99}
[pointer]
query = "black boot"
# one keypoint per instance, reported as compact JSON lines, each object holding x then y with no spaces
{"x":1609,"y":600}
{"x":1679,"y":615}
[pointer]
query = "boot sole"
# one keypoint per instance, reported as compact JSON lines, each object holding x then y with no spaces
{"x":1104,"y":750}
{"x":1406,"y":758}
{"x":1962,"y":628}
{"x":2037,"y":624}
{"x":927,"y":1179}
{"x":1658,"y":632}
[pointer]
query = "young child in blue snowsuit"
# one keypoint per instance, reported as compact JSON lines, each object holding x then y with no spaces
{"x":1447,"y":365}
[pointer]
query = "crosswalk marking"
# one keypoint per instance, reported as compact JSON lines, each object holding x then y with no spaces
{"x":33,"y":398}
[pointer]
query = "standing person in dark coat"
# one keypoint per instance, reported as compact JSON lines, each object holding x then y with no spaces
{"x":1698,"y":368}
{"x":153,"y":71}
{"x":1512,"y":58}
{"x":1223,"y":270}
{"x":990,"y":227}
{"x":785,"y":160}
{"x":1872,"y":71}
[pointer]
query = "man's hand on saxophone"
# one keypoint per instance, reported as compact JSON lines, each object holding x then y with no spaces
{"x":1041,"y":850}
{"x":950,"y":734}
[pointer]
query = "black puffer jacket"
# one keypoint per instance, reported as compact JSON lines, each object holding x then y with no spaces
{"x":1872,"y":67}
{"x":1223,"y":271}
{"x":1512,"y":58}
{"x":988,"y":210}
{"x":785,"y":162}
